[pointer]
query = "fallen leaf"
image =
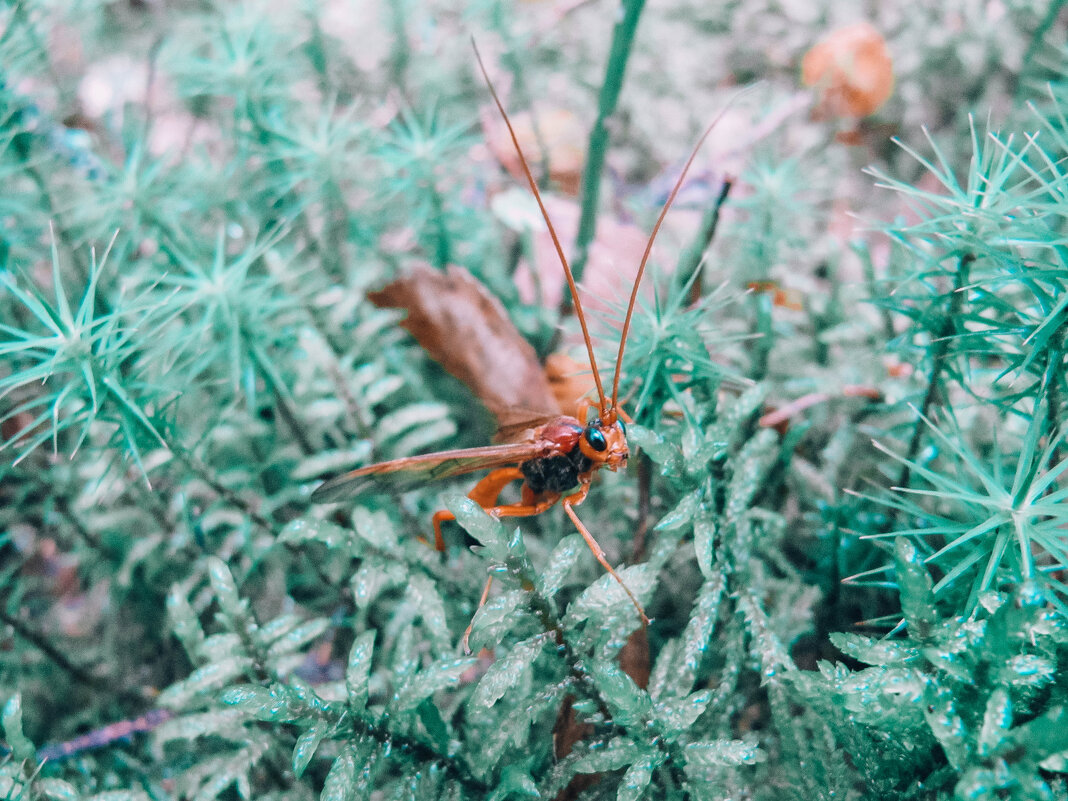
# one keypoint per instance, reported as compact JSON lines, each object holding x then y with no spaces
{"x":467,"y":330}
{"x":851,"y":70}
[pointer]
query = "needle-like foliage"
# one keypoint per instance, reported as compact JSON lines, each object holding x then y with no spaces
{"x":197,"y":202}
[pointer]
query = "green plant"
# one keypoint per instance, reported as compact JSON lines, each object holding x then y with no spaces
{"x":186,"y":351}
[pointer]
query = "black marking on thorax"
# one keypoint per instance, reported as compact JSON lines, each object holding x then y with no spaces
{"x":555,"y":473}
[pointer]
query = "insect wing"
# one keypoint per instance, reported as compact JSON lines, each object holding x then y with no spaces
{"x":412,"y":471}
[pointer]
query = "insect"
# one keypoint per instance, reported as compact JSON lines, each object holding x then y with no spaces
{"x":557,"y":458}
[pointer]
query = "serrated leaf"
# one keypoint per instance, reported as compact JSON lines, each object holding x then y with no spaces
{"x":426,"y":435}
{"x":340,"y":781}
{"x":618,"y":753}
{"x":483,"y":527}
{"x":516,"y":782}
{"x":218,"y":647}
{"x":715,"y":754}
{"x":997,"y":720}
{"x":306,"y":745}
{"x":605,"y":600}
{"x":278,"y":627}
{"x":117,"y":795}
{"x":55,"y":790}
{"x":184,"y":622}
{"x":11,"y":720}
{"x":373,"y":577}
{"x":436,"y":676}
{"x":677,"y":715}
{"x":358,"y":670}
{"x":495,"y":618}
{"x":683,"y":512}
{"x":690,"y":441}
{"x":376,"y":529}
{"x":508,"y":671}
{"x":223,"y":722}
{"x":639,"y":774}
{"x":408,"y":417}
{"x":875,"y":652}
{"x":947,"y":725}
{"x":425,"y":597}
{"x":325,"y":463}
{"x":916,"y":587}
{"x":751,"y":467}
{"x":561,"y":560}
{"x":205,"y":679}
{"x":629,"y":704}
{"x":1029,"y":670}
{"x":655,"y":446}
{"x":222,"y":584}
{"x":300,"y":636}
{"x":308,"y":529}
{"x":704,"y":538}
{"x":261,"y":703}
{"x":676,"y":666}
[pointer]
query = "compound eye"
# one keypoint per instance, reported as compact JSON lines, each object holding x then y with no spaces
{"x":622,"y":426}
{"x":596,"y":439}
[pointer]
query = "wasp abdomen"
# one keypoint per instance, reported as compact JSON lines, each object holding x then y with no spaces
{"x":555,"y":473}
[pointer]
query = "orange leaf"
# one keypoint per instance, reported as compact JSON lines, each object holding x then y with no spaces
{"x":851,"y":71}
{"x":465,"y":328}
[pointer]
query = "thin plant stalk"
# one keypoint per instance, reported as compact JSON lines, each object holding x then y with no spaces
{"x":622,"y":42}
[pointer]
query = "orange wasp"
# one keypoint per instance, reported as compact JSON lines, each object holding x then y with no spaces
{"x":558,"y":456}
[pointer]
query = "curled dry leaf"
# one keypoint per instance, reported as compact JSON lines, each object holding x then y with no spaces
{"x":467,"y":330}
{"x":851,"y":70}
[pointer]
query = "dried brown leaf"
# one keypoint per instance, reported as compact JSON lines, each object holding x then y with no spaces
{"x":467,"y":330}
{"x":851,"y":70}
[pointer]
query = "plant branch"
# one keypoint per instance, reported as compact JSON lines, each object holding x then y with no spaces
{"x":622,"y":41}
{"x":939,"y":362}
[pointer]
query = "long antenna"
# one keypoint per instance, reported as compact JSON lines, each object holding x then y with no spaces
{"x":649,"y":245}
{"x":602,"y":403}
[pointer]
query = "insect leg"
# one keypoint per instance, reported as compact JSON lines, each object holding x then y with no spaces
{"x":529,"y":507}
{"x":484,"y":493}
{"x":481,"y":603}
{"x":595,"y":547}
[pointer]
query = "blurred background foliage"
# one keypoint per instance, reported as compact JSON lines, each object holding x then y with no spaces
{"x":847,"y":519}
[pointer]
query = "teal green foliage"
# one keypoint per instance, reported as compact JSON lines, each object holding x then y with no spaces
{"x":186,"y":351}
{"x":983,"y":692}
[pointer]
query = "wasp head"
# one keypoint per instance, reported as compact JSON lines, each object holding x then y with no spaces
{"x":605,"y":443}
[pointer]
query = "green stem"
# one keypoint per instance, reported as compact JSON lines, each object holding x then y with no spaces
{"x":939,"y":361}
{"x":1038,"y":38}
{"x":336,"y":233}
{"x":1051,"y":389}
{"x":691,"y":259}
{"x":399,"y":56}
{"x":442,"y":245}
{"x":201,"y":471}
{"x":76,"y":672}
{"x":622,"y":40}
{"x":282,"y":399}
{"x":88,"y":537}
